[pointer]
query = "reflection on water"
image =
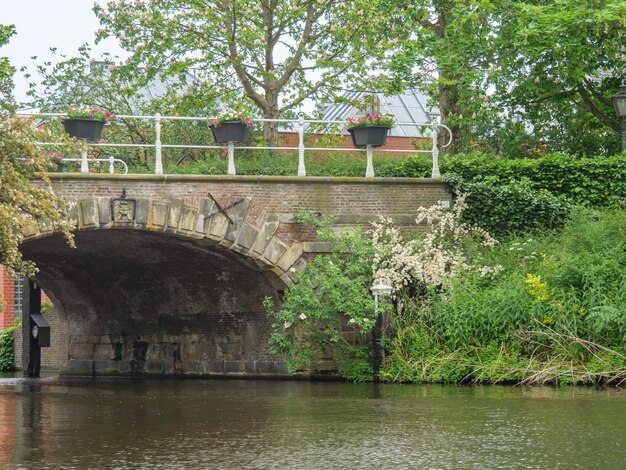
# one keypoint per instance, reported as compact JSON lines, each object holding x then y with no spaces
{"x":275,"y":424}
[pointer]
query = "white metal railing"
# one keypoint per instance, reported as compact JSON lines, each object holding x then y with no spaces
{"x":111,"y":161}
{"x":301,"y":149}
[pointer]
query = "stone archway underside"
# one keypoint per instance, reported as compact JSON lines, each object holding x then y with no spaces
{"x":157,"y":287}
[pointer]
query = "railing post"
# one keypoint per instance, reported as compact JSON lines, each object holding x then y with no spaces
{"x":435,"y":173}
{"x":369,"y":172}
{"x":301,"y":167}
{"x":231,"y":158}
{"x":111,"y":167}
{"x":84,"y":164}
{"x":158,"y":162}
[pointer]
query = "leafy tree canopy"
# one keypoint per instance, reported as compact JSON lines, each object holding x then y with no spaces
{"x":279,"y":52}
{"x":485,"y":63}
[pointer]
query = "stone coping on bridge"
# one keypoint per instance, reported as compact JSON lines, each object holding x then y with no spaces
{"x":246,"y":179}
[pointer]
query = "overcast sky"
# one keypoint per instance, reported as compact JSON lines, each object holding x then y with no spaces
{"x":42,"y":24}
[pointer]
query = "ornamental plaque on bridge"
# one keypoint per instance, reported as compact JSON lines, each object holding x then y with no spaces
{"x":123,"y":210}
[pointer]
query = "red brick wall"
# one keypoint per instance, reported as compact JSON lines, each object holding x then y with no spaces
{"x":7,"y":292}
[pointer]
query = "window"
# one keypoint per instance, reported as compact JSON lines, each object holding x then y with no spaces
{"x":373,"y":104}
{"x":18,"y":295}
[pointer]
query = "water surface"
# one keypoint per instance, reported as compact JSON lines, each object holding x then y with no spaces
{"x":77,"y":423}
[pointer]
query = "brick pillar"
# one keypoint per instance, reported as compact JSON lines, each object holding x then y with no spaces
{"x":7,"y":292}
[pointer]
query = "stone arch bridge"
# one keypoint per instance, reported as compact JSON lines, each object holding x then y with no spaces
{"x":169,"y":272}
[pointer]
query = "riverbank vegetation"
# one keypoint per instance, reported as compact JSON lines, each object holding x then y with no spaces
{"x":541,"y":306}
{"x":7,"y":348}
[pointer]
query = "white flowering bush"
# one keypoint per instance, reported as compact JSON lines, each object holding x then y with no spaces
{"x":429,"y":261}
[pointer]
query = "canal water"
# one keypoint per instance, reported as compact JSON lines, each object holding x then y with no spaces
{"x":235,"y":424}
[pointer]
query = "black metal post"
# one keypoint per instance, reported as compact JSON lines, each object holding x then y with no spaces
{"x":377,"y":357}
{"x":31,"y":352}
{"x":623,"y":135}
{"x":381,"y":328}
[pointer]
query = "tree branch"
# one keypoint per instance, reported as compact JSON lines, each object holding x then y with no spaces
{"x":601,"y":98}
{"x":589,"y":104}
{"x":293,"y":64}
{"x":244,"y":76}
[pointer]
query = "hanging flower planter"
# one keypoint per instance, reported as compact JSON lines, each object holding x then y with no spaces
{"x":84,"y":129}
{"x":230,"y":126}
{"x":371,"y":130}
{"x":376,"y":136}
{"x":230,"y":131}
{"x":86,"y":123}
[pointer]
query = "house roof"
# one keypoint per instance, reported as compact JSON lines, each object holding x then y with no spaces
{"x":410,"y":110}
{"x":158,"y":86}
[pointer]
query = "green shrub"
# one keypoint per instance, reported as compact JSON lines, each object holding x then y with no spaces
{"x":597,"y":181}
{"x":7,"y":348}
{"x":331,"y":297}
{"x":268,"y":163}
{"x":510,"y":208}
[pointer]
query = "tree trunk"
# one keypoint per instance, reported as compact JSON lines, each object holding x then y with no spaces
{"x":270,"y":129}
{"x":448,"y":106}
{"x":270,"y":132}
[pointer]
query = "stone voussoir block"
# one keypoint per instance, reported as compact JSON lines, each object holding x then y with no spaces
{"x":217,"y":227}
{"x":142,"y":212}
{"x":246,"y":237}
{"x":159,"y":213}
{"x":104,"y":211}
{"x":291,"y":255}
{"x":238,"y":215}
{"x":31,"y":230}
{"x":88,"y":214}
{"x":265,"y":235}
{"x":175,"y":211}
{"x":274,"y":250}
{"x":72,"y":207}
{"x":188,"y":218}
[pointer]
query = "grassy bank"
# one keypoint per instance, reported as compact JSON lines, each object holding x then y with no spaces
{"x":555,"y":313}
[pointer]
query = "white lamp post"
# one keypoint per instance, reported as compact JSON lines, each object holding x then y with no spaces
{"x":380,"y":289}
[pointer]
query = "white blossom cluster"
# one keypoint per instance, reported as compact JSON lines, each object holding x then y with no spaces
{"x":434,"y":258}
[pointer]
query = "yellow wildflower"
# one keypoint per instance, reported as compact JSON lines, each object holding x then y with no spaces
{"x":536,"y":288}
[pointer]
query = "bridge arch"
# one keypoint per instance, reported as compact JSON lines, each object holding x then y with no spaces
{"x":158,"y":286}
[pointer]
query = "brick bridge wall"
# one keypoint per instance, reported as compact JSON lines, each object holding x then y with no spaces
{"x":268,"y":194}
{"x":172,"y":286}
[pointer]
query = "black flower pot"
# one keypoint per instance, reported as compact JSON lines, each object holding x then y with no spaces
{"x":376,"y":136}
{"x":84,"y":129}
{"x":230,"y":131}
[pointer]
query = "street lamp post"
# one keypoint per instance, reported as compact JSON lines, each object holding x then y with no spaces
{"x":382,"y":322}
{"x":619,"y":103}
